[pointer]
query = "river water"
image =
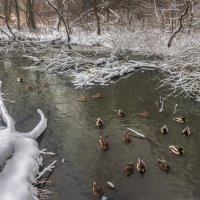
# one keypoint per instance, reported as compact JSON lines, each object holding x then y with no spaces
{"x":73,"y":135}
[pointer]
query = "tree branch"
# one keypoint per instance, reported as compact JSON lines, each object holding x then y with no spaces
{"x":62,"y":18}
{"x":181,"y":25}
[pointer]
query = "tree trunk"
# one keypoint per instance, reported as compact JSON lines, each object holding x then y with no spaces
{"x":30,"y":14}
{"x":60,"y":9}
{"x":128,"y":12}
{"x":190,"y":18}
{"x":7,"y":9}
{"x":17,"y":14}
{"x":97,"y":18}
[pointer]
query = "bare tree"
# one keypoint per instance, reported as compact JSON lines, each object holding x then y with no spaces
{"x":66,"y":24}
{"x":7,"y":9}
{"x":97,"y":17}
{"x":60,"y":6}
{"x":17,"y":14}
{"x":30,"y":14}
{"x":187,"y":5}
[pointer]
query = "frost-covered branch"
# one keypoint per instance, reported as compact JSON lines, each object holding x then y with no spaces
{"x":6,"y":117}
{"x":44,"y":151}
{"x":39,"y":129}
{"x":47,"y":169}
{"x":87,"y":73}
{"x":182,"y":73}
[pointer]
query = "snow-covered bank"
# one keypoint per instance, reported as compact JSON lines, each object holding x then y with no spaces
{"x":51,"y":51}
{"x":142,"y":39}
{"x":20,"y":158}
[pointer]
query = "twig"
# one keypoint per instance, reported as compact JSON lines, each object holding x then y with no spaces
{"x":175,"y":108}
{"x":49,"y":168}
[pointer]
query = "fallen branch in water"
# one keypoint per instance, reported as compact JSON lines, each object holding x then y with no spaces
{"x":137,"y":133}
{"x":175,"y":108}
{"x":44,"y":151}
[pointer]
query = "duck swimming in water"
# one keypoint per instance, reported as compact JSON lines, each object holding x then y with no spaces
{"x":19,"y":79}
{"x":121,"y":113}
{"x":97,"y":190}
{"x":186,"y":131}
{"x":164,"y":129}
{"x":176,"y":150}
{"x":180,"y":119}
{"x":141,"y":166}
{"x":129,"y":169}
{"x":99,"y":122}
{"x":126,"y":138}
{"x":83,"y":98}
{"x":163,"y":164}
{"x":145,"y":114}
{"x":103,"y":143}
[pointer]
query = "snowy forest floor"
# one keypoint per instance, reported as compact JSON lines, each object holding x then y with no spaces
{"x":125,"y":49}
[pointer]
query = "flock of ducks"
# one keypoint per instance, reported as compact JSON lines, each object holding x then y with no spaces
{"x":140,"y":166}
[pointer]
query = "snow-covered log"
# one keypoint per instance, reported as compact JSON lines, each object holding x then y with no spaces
{"x":20,"y":159}
{"x":86,"y":73}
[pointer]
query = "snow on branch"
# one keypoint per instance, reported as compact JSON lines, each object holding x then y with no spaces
{"x":39,"y":129}
{"x":86,"y":72}
{"x":47,"y":169}
{"x":44,"y":151}
{"x":182,"y":73}
{"x":20,"y":159}
{"x":6,"y":117}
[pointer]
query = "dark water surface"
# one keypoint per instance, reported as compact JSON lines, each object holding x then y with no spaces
{"x":72,"y":135}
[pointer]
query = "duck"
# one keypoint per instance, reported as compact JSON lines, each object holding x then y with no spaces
{"x":126,"y":138}
{"x":164,"y":129}
{"x":186,"y":131}
{"x":99,"y":122}
{"x":83,"y":98}
{"x":121,"y":113}
{"x":176,"y":150}
{"x":141,"y":166}
{"x":103,"y":143}
{"x":44,"y":85}
{"x":29,"y":87}
{"x":19,"y":79}
{"x":97,"y":190}
{"x":163,"y":164}
{"x":180,"y":119}
{"x":145,"y":114}
{"x":98,"y":96}
{"x":129,"y":169}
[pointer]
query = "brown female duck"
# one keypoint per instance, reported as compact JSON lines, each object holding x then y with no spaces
{"x":126,"y":138}
{"x":186,"y":131}
{"x":163,"y":164}
{"x":121,"y":113}
{"x":129,"y":169}
{"x":145,"y":114}
{"x":99,"y":122}
{"x":103,"y":143}
{"x":97,"y":190}
{"x":164,"y":129}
